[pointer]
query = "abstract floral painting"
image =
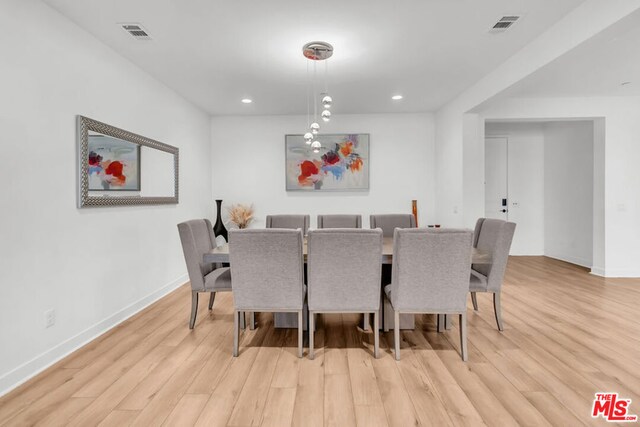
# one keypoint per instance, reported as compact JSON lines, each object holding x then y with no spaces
{"x":114,"y":164}
{"x":342,"y":163}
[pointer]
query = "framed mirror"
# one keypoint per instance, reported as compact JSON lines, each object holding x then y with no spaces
{"x":121,"y":168}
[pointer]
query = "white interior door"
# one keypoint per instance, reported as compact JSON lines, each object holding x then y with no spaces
{"x":495,"y":178}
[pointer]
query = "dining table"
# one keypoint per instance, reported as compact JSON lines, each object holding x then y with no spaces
{"x":220,"y":254}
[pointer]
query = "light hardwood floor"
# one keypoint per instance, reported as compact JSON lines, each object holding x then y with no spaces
{"x":567,"y":335}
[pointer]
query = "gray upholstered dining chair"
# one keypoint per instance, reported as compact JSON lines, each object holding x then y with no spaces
{"x":493,"y":236}
{"x":389,"y":222}
{"x":339,"y":221}
{"x":197,"y":239}
{"x":289,"y":221}
{"x":266,"y":269}
{"x":430,"y":275}
{"x":344,"y":274}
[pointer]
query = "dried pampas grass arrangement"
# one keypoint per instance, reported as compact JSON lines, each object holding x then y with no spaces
{"x":241,"y":215}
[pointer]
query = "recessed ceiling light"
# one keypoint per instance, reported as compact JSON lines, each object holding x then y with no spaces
{"x":396,"y":97}
{"x":247,"y":101}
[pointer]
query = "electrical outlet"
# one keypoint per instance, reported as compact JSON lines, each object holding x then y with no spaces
{"x":49,"y":318}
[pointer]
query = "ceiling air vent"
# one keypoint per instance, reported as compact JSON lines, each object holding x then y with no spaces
{"x":137,"y":31}
{"x":504,"y":23}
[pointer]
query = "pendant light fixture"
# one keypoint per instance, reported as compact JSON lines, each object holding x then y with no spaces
{"x":317,"y":51}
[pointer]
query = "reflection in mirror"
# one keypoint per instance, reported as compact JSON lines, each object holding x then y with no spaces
{"x":118,"y":168}
{"x":114,"y":164}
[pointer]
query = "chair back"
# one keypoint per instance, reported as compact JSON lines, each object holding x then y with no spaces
{"x":266,"y":269}
{"x":431,"y":270}
{"x":476,"y":231}
{"x":289,"y":221}
{"x":389,"y":222}
{"x":339,"y":221}
{"x":197,"y":239}
{"x":344,"y":267}
{"x":495,"y":237}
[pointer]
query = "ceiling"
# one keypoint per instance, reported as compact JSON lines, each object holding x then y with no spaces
{"x":215,"y":53}
{"x":597,"y":67}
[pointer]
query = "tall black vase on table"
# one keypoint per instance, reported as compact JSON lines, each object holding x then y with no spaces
{"x":219,"y":228}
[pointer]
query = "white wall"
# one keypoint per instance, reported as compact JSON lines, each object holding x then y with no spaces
{"x":568,"y":191}
{"x":248,"y":159}
{"x":95,"y":266}
{"x":526,"y":183}
{"x":617,"y":205}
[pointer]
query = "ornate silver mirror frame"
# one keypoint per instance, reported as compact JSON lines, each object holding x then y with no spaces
{"x":85,"y":125}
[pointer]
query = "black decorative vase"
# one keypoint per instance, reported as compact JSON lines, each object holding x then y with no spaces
{"x":218,"y":228}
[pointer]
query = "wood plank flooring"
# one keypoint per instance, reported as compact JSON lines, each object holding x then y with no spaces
{"x":567,"y":336}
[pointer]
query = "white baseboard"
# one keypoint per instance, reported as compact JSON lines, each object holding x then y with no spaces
{"x":33,"y":367}
{"x":598,"y":271}
{"x":572,"y":260}
{"x":620,"y":272}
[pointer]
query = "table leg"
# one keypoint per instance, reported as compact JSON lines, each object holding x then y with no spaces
{"x":290,"y":320}
{"x":365,"y":322}
{"x":407,"y":320}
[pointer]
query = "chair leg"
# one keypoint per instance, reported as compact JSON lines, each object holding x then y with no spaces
{"x":311,"y":335}
{"x":194,"y":309}
{"x":396,"y":332}
{"x":252,"y":320}
{"x":474,"y":300}
{"x":236,"y":331}
{"x":300,"y":333}
{"x":498,"y":310}
{"x":463,"y":336}
{"x":440,"y":322}
{"x":365,"y":322}
{"x":212,"y":298}
{"x":376,"y":334}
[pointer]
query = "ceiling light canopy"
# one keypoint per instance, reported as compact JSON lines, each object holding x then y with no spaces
{"x":317,"y":51}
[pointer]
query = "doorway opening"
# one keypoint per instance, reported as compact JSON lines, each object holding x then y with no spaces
{"x":540,"y":175}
